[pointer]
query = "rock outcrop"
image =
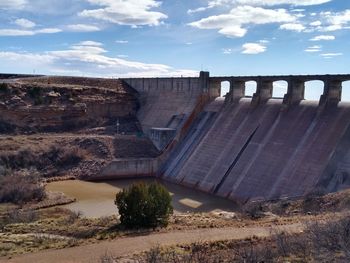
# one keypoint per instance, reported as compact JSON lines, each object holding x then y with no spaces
{"x":39,"y":107}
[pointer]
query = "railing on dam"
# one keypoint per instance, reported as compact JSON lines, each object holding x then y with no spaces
{"x":296,"y":87}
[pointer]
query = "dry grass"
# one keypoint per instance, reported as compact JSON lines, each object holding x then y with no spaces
{"x":21,"y":187}
{"x":327,"y":241}
{"x":26,"y":231}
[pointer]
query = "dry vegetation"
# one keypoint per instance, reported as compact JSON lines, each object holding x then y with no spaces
{"x":19,"y":188}
{"x":320,"y":242}
{"x":29,"y":230}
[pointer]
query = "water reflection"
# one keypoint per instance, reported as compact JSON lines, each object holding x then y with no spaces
{"x":95,"y":199}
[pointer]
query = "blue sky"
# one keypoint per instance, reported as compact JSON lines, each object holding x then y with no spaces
{"x":119,"y":38}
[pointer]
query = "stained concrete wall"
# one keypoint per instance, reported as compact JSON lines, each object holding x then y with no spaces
{"x":129,"y":168}
{"x":168,"y":102}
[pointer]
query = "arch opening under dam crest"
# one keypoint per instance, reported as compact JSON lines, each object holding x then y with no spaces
{"x":279,"y":89}
{"x":345,"y":94}
{"x":314,"y":89}
{"x":250,"y":88}
{"x":224,"y":88}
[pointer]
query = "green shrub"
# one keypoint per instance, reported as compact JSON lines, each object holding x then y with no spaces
{"x":4,"y":88}
{"x":38,"y":100}
{"x":144,"y":205}
{"x":35,"y":92}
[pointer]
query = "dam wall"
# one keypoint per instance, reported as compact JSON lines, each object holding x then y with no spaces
{"x":167,"y":103}
{"x":263,"y":148}
{"x":129,"y":168}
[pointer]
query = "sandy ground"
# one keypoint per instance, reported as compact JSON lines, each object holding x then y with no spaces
{"x":130,"y":245}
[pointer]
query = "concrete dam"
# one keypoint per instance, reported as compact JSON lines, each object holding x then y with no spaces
{"x":245,"y":148}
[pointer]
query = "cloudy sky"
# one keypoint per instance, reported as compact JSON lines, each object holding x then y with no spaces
{"x":117,"y":38}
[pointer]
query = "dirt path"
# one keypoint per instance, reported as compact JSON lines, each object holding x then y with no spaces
{"x":129,"y":245}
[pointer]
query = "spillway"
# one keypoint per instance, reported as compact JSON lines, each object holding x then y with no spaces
{"x":267,"y":151}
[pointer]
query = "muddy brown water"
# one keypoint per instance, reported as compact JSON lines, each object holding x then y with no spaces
{"x":96,"y":199}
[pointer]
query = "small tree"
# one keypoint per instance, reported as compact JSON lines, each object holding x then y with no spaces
{"x":144,"y":205}
{"x":4,"y":88}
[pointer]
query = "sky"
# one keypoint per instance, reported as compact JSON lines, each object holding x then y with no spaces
{"x":133,"y":38}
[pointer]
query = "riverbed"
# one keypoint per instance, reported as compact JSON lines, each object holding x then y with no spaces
{"x":96,"y":199}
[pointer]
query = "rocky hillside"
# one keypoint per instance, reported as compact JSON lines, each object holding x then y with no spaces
{"x":66,"y":127}
{"x":29,"y":107}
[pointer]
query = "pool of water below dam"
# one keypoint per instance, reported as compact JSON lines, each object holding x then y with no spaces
{"x":96,"y":199}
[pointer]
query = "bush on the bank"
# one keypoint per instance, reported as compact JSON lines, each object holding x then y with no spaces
{"x":19,"y":188}
{"x":64,"y":157}
{"x":35,"y":92}
{"x":254,"y":210}
{"x":4,"y":88}
{"x":144,"y":205}
{"x":58,"y":157}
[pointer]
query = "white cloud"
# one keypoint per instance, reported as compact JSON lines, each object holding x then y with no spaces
{"x":293,"y":27}
{"x":93,"y":50}
{"x":16,"y":32}
{"x":334,"y":21}
{"x":83,"y":28}
{"x":231,"y":24}
{"x":131,"y":12}
{"x":88,"y":60}
{"x":216,"y":3}
{"x":121,"y":41}
{"x":227,"y":51}
{"x":313,"y":49}
{"x":332,"y":28}
{"x":25,"y":23}
{"x":264,"y":41}
{"x":331,"y":55}
{"x":12,"y":4}
{"x":211,"y":4}
{"x":20,"y":32}
{"x":316,"y":23}
{"x":199,"y":9}
{"x":233,"y":31}
{"x":47,"y":31}
{"x":339,"y":18}
{"x":253,"y":48}
{"x":283,"y":2}
{"x":90,"y":43}
{"x":323,"y":37}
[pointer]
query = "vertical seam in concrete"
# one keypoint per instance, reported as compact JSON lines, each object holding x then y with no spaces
{"x":295,"y":154}
{"x":235,"y":161}
{"x":258,"y":151}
